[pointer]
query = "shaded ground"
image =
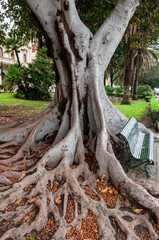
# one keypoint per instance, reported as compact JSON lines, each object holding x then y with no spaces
{"x":13,"y":115}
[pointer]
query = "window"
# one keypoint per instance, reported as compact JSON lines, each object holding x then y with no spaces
{"x":33,"y":49}
{"x":25,"y":58}
{"x":1,"y":52}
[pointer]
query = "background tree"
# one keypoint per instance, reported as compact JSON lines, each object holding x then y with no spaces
{"x":80,"y":121}
{"x":151,"y":77}
{"x":13,"y":45}
{"x":117,"y":64}
{"x":142,"y":32}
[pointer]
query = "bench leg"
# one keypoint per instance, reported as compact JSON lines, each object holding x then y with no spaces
{"x":146,"y":170}
{"x":137,"y":164}
{"x":129,"y":167}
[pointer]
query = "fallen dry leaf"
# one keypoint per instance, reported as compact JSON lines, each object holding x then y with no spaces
{"x":58,"y":200}
{"x":32,"y":200}
{"x":23,"y":175}
{"x":18,"y":201}
{"x":105,"y":190}
{"x":56,"y":182}
{"x":102,"y":178}
{"x":111,"y":191}
{"x":138,"y":210}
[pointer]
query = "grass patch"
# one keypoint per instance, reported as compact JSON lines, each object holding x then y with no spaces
{"x":137,"y":109}
{"x":7,"y":99}
{"x":19,"y":109}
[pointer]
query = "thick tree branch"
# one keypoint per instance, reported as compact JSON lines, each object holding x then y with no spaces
{"x":110,"y":33}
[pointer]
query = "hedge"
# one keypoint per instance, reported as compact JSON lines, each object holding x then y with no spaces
{"x":154,"y":108}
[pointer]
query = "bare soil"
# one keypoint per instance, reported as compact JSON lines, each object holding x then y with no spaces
{"x":14,"y":115}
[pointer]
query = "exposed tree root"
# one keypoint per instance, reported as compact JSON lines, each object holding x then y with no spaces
{"x":54,"y":165}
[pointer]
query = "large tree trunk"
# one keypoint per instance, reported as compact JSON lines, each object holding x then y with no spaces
{"x":79,"y":120}
{"x":137,"y":74}
{"x":128,"y":75}
{"x":111,"y":79}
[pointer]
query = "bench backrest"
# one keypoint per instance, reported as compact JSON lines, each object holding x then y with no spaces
{"x":130,"y":132}
{"x":140,"y":144}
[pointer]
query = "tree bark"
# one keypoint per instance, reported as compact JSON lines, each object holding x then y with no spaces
{"x":136,"y":80}
{"x":128,"y":75}
{"x":17,"y":55}
{"x":111,"y":79}
{"x":79,"y":120}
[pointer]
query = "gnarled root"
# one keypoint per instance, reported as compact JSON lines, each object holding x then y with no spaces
{"x":43,"y":180}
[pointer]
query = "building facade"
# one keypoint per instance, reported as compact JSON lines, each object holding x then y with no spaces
{"x":27,"y":55}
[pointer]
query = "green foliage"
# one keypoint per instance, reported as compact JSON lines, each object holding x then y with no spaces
{"x":151,"y":77}
{"x":1,"y":87}
{"x":121,"y":197}
{"x":109,"y":89}
{"x":93,"y":13}
{"x":144,"y":90}
{"x":140,"y":96}
{"x":148,"y":98}
{"x":132,"y":207}
{"x":116,"y":92}
{"x":154,"y":108}
{"x":31,"y":82}
{"x":119,"y":90}
{"x":19,"y":21}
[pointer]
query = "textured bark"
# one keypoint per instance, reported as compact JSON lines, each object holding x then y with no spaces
{"x":80,"y":118}
{"x":128,"y":75}
{"x":137,"y":74}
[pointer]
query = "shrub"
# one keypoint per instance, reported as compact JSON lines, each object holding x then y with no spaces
{"x":119,"y":90}
{"x":140,"y":96}
{"x":109,"y":89}
{"x":143,"y":88}
{"x":145,"y":91}
{"x":154,"y":108}
{"x":148,"y":98}
{"x":31,"y":82}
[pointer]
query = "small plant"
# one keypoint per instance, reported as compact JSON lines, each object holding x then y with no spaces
{"x":132,"y":207}
{"x":154,"y":109}
{"x":109,"y":89}
{"x":32,"y":238}
{"x":32,"y":216}
{"x":121,"y":197}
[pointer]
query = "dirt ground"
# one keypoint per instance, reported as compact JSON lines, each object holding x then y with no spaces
{"x":14,"y":115}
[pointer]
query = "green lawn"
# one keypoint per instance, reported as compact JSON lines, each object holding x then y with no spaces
{"x":137,"y":109}
{"x":7,"y":99}
{"x":19,"y":108}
